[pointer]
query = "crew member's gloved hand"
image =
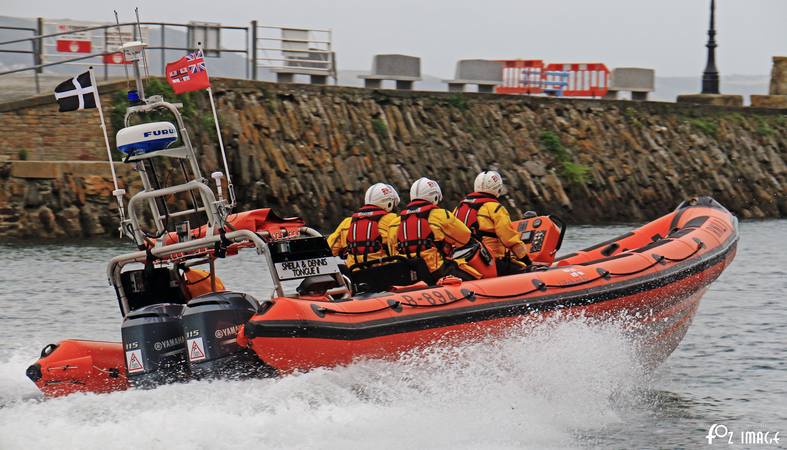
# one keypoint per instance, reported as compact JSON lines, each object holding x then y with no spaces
{"x":537,"y":267}
{"x":525,"y":259}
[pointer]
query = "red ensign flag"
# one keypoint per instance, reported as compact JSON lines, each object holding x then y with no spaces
{"x":188,"y":73}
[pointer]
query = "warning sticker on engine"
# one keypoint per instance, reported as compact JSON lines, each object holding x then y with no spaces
{"x":196,"y":349}
{"x":134,"y":361}
{"x":291,"y":270}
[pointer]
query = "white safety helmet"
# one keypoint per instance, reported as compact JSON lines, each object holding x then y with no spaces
{"x":489,"y":182}
{"x":398,"y":200}
{"x":382,"y":195}
{"x":426,"y":189}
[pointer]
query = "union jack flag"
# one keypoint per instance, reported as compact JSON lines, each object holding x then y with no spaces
{"x":196,"y":55}
{"x":197,"y":68}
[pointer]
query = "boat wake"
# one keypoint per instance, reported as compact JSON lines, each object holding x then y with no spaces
{"x":541,"y":385}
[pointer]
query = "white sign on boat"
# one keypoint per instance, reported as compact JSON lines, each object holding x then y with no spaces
{"x":291,"y":270}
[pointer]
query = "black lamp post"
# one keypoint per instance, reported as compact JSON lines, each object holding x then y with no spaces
{"x":710,"y":77}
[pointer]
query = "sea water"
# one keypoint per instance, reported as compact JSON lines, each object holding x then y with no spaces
{"x":557,"y":384}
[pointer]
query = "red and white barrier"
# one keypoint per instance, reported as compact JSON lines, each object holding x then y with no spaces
{"x":569,"y":80}
{"x":522,"y":76}
{"x":584,"y":79}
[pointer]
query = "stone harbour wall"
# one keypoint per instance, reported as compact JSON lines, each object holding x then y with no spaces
{"x":313,"y":150}
{"x":34,"y":129}
{"x":40,"y":199}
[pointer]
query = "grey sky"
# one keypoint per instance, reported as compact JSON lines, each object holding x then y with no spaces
{"x":667,"y":35}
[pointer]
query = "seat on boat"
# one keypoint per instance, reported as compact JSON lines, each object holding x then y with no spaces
{"x":317,"y":285}
{"x":382,"y":274}
{"x":144,"y":287}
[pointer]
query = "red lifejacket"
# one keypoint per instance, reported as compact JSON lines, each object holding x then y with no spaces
{"x":363,"y":237}
{"x":467,"y":212}
{"x":414,"y":234}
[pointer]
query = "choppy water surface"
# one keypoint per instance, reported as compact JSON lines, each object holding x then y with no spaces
{"x":555,"y":385}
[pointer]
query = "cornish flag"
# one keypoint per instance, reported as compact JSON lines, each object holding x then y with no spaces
{"x":76,"y":93}
{"x":188,"y":73}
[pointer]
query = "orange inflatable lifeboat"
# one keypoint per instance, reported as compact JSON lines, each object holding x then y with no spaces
{"x":654,"y":276}
{"x":651,"y":279}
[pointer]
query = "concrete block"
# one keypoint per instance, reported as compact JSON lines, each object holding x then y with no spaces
{"x":47,"y":170}
{"x":318,"y":79}
{"x":373,"y":83}
{"x":402,"y":68}
{"x":404,"y":85}
{"x":36,"y":169}
{"x":396,"y":66}
{"x":712,"y":99}
{"x":285,"y":77}
{"x":302,"y":59}
{"x":297,"y":60}
{"x":485,"y":74}
{"x":769,"y":101}
{"x":633,"y":79}
{"x":490,"y":72}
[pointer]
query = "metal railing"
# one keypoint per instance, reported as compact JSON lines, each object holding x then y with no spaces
{"x":35,"y":47}
{"x":278,"y":49}
{"x":38,"y":45}
{"x":292,"y":50}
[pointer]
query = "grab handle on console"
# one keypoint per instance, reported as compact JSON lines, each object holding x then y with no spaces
{"x":559,"y":222}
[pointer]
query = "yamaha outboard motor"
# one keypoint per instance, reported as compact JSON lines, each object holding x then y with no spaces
{"x":153,"y":342}
{"x":210,"y":325}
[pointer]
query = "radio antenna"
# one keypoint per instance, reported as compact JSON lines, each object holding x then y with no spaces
{"x":144,"y":53}
{"x":120,"y":38}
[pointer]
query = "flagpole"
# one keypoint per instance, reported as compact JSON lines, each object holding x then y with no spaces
{"x":118,"y":193}
{"x":221,"y":141}
{"x":221,"y":145}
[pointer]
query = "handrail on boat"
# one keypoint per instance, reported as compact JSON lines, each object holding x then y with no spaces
{"x":117,"y":263}
{"x":207,"y":197}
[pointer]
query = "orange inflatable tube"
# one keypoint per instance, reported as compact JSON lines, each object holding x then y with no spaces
{"x":79,"y":366}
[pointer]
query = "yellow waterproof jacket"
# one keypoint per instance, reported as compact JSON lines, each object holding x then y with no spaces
{"x":387,"y":228}
{"x":445,"y":227}
{"x":494,"y":218}
{"x":198,"y":282}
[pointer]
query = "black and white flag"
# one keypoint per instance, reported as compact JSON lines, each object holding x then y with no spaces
{"x":76,"y":93}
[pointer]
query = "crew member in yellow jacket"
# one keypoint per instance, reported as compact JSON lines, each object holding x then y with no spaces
{"x":488,"y":219}
{"x":366,"y":235}
{"x":429,"y":232}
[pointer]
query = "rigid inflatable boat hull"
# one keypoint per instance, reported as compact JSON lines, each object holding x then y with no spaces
{"x":649,"y":281}
{"x":653,"y":291}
